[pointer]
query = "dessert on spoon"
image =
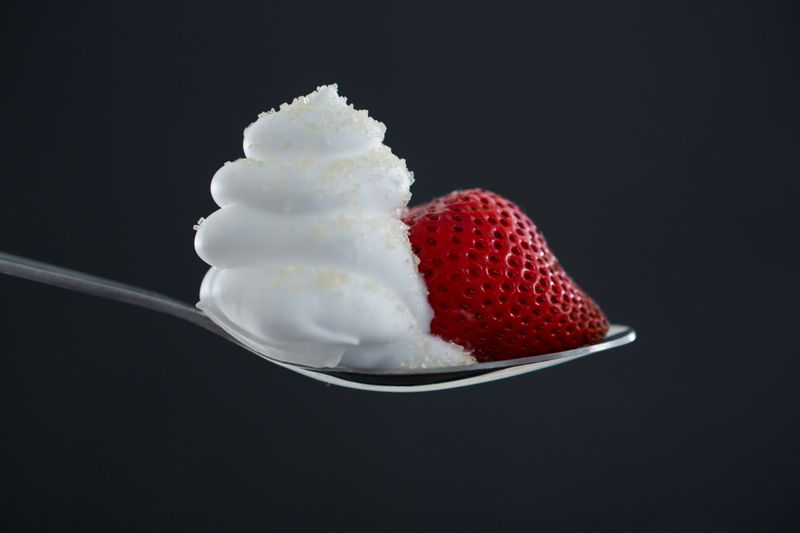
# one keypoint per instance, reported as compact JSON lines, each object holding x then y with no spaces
{"x":318,"y":265}
{"x":316,"y":259}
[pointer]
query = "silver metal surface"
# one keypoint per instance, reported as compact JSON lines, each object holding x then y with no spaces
{"x":417,"y":380}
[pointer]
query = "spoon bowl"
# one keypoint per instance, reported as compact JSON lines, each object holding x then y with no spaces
{"x":380,"y":380}
{"x":433,"y":379}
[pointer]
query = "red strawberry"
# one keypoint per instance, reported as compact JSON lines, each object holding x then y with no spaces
{"x":494,"y":285}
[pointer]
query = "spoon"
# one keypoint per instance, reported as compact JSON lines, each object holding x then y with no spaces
{"x":392,"y":380}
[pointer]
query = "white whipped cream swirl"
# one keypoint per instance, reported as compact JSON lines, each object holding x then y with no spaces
{"x":311,"y":263}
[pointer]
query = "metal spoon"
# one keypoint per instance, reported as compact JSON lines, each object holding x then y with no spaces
{"x":418,"y":380}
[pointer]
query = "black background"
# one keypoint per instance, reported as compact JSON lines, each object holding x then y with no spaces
{"x":656,"y":145}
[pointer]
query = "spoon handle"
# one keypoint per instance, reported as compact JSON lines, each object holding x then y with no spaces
{"x":21,"y":267}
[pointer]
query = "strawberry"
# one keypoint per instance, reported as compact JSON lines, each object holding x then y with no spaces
{"x":494,"y":285}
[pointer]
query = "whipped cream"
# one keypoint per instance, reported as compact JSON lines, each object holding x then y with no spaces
{"x":311,"y":263}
